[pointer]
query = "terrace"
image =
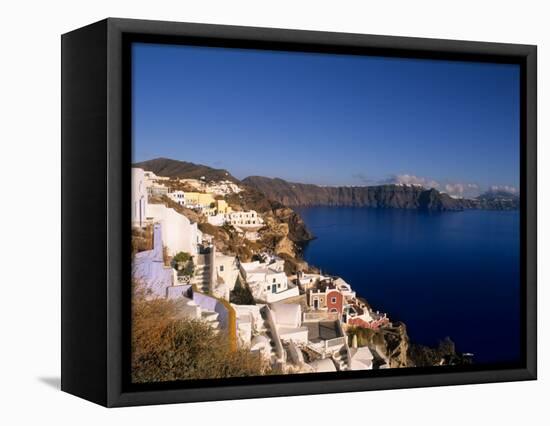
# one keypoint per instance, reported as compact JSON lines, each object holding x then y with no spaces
{"x":325,"y":337}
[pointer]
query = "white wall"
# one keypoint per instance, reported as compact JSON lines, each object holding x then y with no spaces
{"x":30,"y":87}
{"x":139,"y":197}
{"x":244,"y":218}
{"x":178,"y":234}
{"x":281,"y":295}
{"x":230,"y":270}
{"x":216,"y":220}
{"x":277,"y":279}
{"x":177,"y":197}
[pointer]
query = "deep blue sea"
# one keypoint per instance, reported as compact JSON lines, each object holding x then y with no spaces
{"x":443,"y":274}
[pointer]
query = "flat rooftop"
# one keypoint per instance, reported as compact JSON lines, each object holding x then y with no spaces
{"x":322,"y":330}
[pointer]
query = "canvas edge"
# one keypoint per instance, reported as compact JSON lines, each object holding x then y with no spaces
{"x":115,"y":155}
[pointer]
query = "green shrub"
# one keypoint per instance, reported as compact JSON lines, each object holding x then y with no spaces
{"x":183,"y":263}
{"x":182,"y":257}
{"x":241,"y":294}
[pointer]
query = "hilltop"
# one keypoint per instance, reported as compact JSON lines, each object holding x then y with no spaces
{"x":185,"y":170}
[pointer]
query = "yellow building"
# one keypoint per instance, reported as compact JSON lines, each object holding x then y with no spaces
{"x":222,"y":207}
{"x":206,"y":202}
{"x":199,"y":199}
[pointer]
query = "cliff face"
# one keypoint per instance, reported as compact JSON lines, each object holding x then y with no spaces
{"x":497,"y":200}
{"x":380,"y":196}
{"x":390,"y":343}
{"x":397,"y":344}
{"x":442,"y":354}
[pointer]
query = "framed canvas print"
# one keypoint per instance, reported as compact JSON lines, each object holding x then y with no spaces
{"x":254,"y":212}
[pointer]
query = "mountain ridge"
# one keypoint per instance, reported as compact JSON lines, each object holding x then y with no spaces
{"x":378,"y":196}
{"x":184,"y":169}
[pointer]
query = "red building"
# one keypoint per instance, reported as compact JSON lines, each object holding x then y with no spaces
{"x":334,"y":301}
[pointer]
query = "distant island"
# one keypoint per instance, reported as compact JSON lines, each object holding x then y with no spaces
{"x":378,"y":196}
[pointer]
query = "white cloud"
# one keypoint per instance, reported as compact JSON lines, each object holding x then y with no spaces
{"x":460,"y":189}
{"x":407,"y":179}
{"x":504,"y":188}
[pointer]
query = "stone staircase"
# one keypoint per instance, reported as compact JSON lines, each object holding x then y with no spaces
{"x":341,"y":360}
{"x":203,"y":273}
{"x":266,"y":331}
{"x":211,"y":318}
{"x":271,"y":355}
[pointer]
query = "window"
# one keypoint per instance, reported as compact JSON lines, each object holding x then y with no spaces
{"x":274,"y":280}
{"x":333,"y":300}
{"x":221,"y":268}
{"x":268,"y":287}
{"x":279,"y":285}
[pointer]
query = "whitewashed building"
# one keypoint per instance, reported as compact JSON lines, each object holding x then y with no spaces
{"x":149,"y":270}
{"x":244,"y":218}
{"x":227,"y":269}
{"x":361,"y":358}
{"x":139,"y":197}
{"x":153,"y":184}
{"x":223,"y":187}
{"x":288,"y":319}
{"x":179,"y":234}
{"x":267,"y":280}
{"x":249,"y":323}
{"x":178,"y":197}
{"x":217,"y":219}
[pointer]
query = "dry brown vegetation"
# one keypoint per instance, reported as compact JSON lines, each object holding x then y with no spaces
{"x":366,"y":336}
{"x":174,"y":184}
{"x":228,"y":240}
{"x":142,"y":239}
{"x":165,"y":256}
{"x":167,"y":346}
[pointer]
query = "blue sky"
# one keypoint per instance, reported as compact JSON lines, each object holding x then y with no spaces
{"x":329,"y":119}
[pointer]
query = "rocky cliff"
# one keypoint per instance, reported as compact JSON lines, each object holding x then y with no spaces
{"x":379,"y":196}
{"x":284,"y":226}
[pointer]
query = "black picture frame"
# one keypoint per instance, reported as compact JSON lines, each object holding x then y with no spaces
{"x":96,"y":137}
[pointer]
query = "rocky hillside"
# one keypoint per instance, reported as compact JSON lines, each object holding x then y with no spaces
{"x":379,"y":196}
{"x":184,"y":169}
{"x":284,"y":233}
